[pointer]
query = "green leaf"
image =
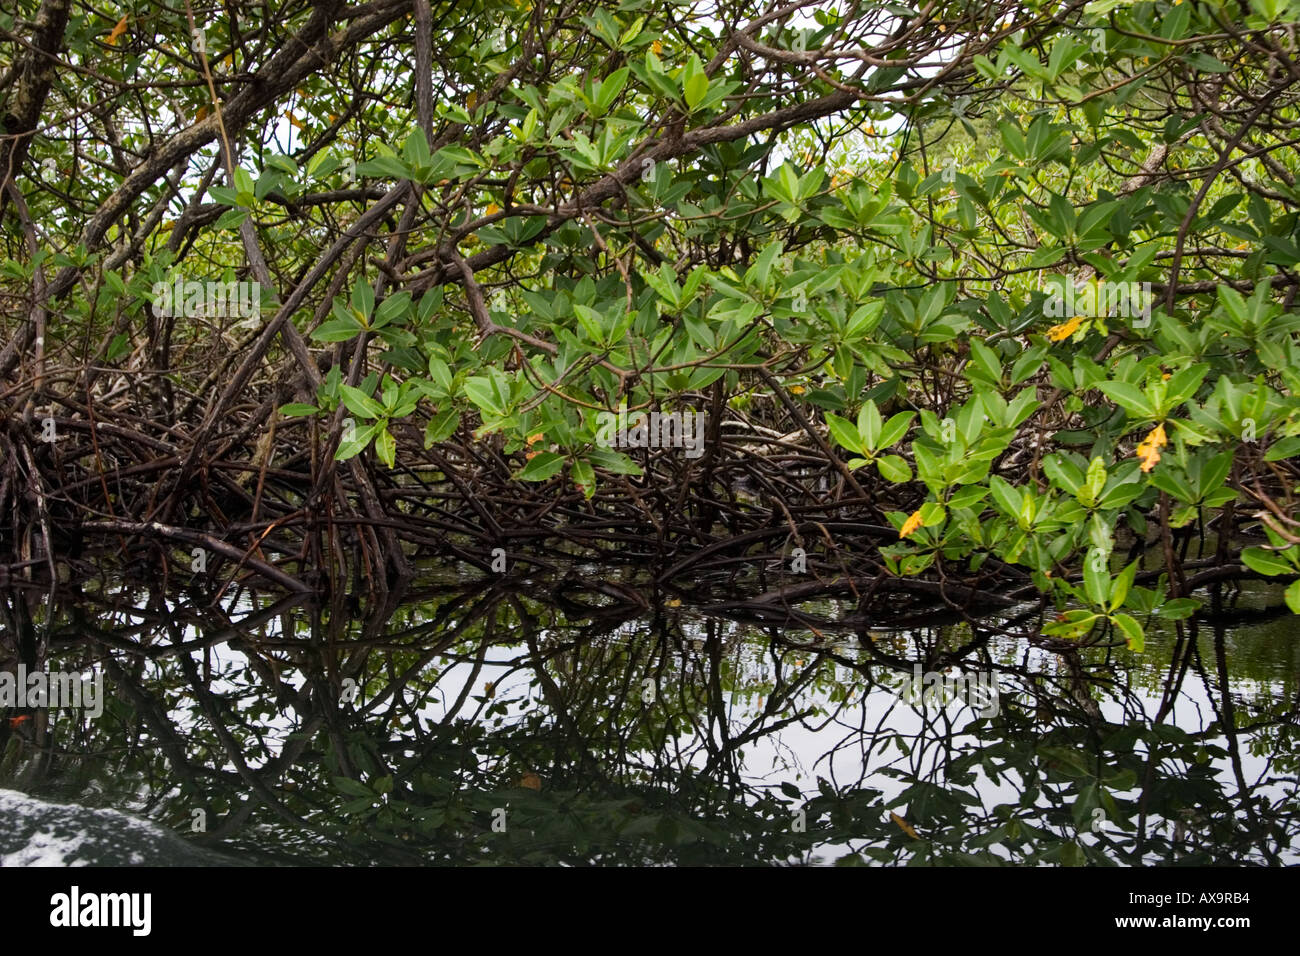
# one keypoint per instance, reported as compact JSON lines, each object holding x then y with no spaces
{"x":894,"y":429}
{"x":363,"y":297}
{"x":845,"y":434}
{"x":482,"y":393}
{"x":359,"y":403}
{"x":591,"y":321}
{"x":1120,"y":588}
{"x":1266,"y":562}
{"x":541,"y":466}
{"x":610,"y":89}
{"x":1178,"y":609}
{"x":360,"y":439}
{"x":1007,"y":498}
{"x":614,"y":461}
{"x":1129,"y":397}
{"x":584,"y":476}
{"x":119,"y":346}
{"x":392,"y":308}
{"x":696,"y":88}
{"x":353,"y":788}
{"x":386,"y":446}
{"x":1072,"y":624}
{"x":384,"y":167}
{"x":1133,"y":632}
{"x":1096,"y":578}
{"x":283,"y":163}
{"x":1283,"y":449}
{"x":1293,"y":596}
{"x":869,"y":425}
{"x":337,"y":330}
{"x":1205,"y":63}
{"x":441,"y":427}
{"x":298,"y":409}
{"x":932,"y":513}
{"x":893,"y":468}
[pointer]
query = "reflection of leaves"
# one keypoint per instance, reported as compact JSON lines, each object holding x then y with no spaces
{"x":424,"y":790}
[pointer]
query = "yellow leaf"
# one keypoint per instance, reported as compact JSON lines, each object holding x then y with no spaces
{"x":492,"y":209}
{"x":911,"y":524}
{"x":117,"y":31}
{"x":490,"y":689}
{"x":1058,"y":333}
{"x":657,"y":47}
{"x":472,"y":100}
{"x":201,"y":115}
{"x":673,"y":602}
{"x":294,"y":121}
{"x":1148,"y":452}
{"x":903,"y":825}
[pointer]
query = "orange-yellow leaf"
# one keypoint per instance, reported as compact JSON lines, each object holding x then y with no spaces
{"x":117,"y":31}
{"x":1148,"y":452}
{"x":1058,"y":333}
{"x":202,"y":114}
{"x":530,"y":781}
{"x":492,"y":209}
{"x":911,"y":524}
{"x":657,"y":47}
{"x":903,"y":825}
{"x":472,"y":100}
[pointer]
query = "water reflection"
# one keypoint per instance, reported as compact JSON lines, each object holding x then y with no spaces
{"x":573,"y":721}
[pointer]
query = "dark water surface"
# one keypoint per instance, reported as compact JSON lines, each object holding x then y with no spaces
{"x":552,"y":721}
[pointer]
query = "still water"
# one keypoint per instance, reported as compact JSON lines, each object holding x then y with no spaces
{"x":555,"y":721}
